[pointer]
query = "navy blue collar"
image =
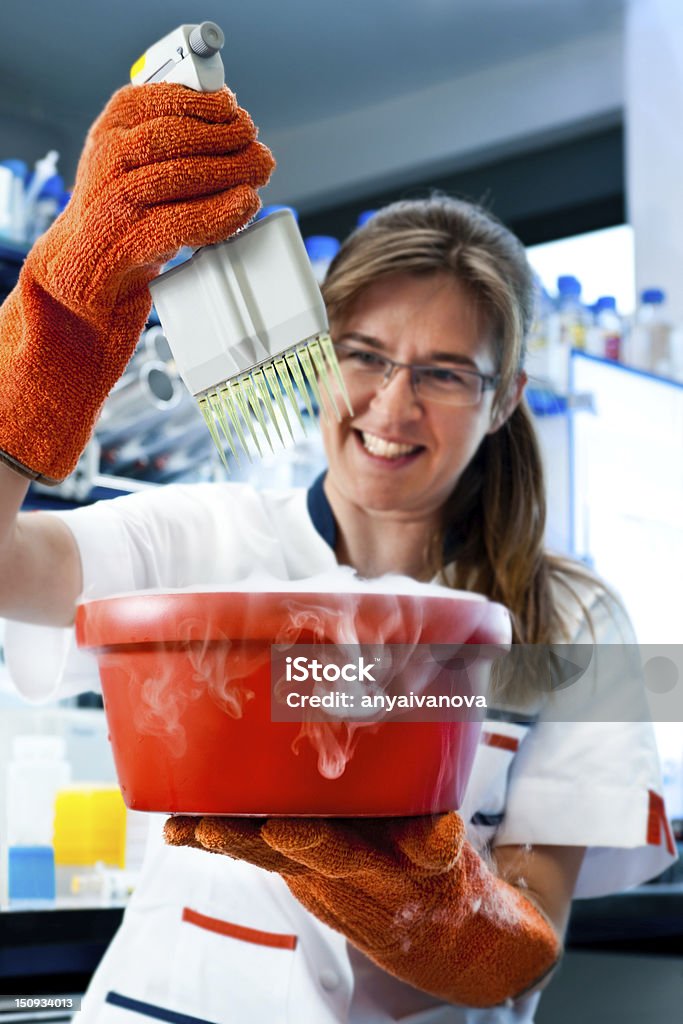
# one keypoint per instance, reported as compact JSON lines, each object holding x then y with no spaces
{"x":323,"y":519}
{"x":320,"y":511}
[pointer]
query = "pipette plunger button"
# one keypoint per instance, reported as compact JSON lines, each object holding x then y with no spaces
{"x":206,"y":39}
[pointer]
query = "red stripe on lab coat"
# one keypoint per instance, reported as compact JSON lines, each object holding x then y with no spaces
{"x":499,"y":739}
{"x":658,"y":823}
{"x":238,"y":931}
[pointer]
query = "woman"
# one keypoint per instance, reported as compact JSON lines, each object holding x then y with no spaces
{"x":435,"y":474}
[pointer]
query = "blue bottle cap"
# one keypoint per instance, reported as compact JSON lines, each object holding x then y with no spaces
{"x":654,"y":295}
{"x":606,"y":302}
{"x":322,"y":247}
{"x":19,"y":168}
{"x":568,"y":285}
{"x":53,"y":188}
{"x":273,"y":208}
{"x":364,"y":217}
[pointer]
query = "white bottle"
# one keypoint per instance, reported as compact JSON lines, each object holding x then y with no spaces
{"x":536,"y":361}
{"x":47,"y":207}
{"x":649,"y":345}
{"x":43,"y":171}
{"x":16,"y":231}
{"x":37,"y":770}
{"x":567,"y":327}
{"x":6,"y":200}
{"x":609,"y":327}
{"x":676,"y":347}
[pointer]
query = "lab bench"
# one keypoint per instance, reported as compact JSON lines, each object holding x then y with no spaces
{"x":56,"y":950}
{"x":624,"y":960}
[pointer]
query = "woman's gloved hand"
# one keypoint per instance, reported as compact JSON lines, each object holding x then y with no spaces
{"x":410,"y":893}
{"x":163,"y":166}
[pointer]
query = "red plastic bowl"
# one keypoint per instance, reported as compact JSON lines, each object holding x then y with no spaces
{"x":176,"y":668}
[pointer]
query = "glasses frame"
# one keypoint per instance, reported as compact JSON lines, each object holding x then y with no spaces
{"x":488,"y":381}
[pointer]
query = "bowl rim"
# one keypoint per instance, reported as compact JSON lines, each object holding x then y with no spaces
{"x":182,"y":616}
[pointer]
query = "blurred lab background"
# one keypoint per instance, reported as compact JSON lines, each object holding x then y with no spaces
{"x":565,"y":120}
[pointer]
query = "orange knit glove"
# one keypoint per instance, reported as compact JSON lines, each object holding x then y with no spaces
{"x":163,"y":166}
{"x":410,"y":893}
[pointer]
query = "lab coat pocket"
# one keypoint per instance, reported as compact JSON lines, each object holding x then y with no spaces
{"x":237,"y":972}
{"x":484,"y":805}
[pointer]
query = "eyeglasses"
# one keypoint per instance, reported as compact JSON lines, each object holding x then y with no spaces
{"x":364,"y":369}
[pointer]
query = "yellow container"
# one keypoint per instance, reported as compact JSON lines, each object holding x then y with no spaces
{"x":90,"y":826}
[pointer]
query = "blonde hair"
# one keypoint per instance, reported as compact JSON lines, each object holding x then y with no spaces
{"x":497,"y":511}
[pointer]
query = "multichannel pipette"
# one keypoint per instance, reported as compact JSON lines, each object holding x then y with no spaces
{"x":244,"y":318}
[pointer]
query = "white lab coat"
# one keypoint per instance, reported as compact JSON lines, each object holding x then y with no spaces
{"x":220,"y":941}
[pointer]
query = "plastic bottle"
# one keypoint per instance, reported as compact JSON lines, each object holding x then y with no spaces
{"x":37,"y":770}
{"x":43,"y":170}
{"x":321,"y":251}
{"x":567,"y":327}
{"x":6,"y":200}
{"x":574,"y":318}
{"x":16,"y":230}
{"x":593,"y":346}
{"x":537,"y":362}
{"x":676,"y":348}
{"x":610,"y":329}
{"x":46,"y":207}
{"x":649,"y":344}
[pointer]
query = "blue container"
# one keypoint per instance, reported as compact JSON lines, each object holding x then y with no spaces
{"x":31,"y":873}
{"x":322,"y":247}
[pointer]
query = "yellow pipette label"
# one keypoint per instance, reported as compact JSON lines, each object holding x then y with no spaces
{"x":138,"y":67}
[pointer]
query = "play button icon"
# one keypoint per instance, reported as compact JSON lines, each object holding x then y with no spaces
{"x":567,"y":663}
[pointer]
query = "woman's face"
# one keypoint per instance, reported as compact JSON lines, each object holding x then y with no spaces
{"x":398,"y":453}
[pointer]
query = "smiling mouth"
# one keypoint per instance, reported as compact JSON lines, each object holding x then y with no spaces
{"x":387,"y":449}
